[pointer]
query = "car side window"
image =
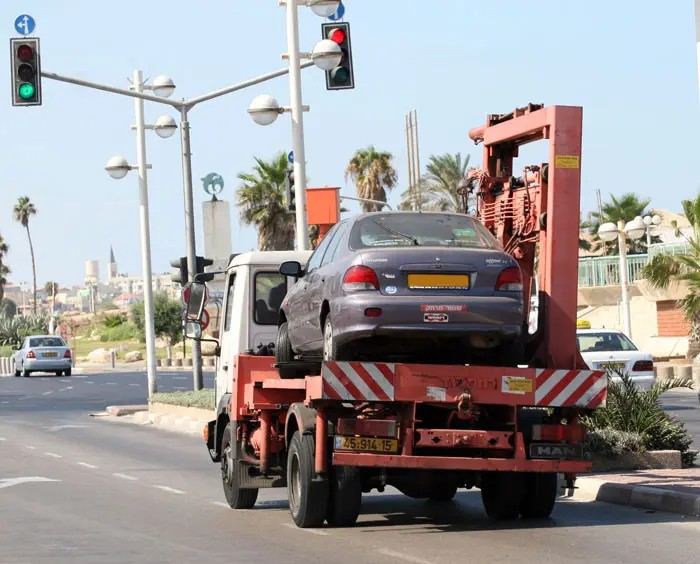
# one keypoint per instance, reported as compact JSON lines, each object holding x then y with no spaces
{"x":229,"y":301}
{"x":317,"y":257}
{"x":334,"y":245}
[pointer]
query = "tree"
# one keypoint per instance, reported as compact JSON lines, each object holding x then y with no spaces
{"x":626,"y":208}
{"x":23,"y":210}
{"x":663,"y":269}
{"x":373,"y":175}
{"x":4,"y":269}
{"x":262,"y":201}
{"x":167,"y":318}
{"x":51,"y":289}
{"x":8,"y":308}
{"x":438,"y":186}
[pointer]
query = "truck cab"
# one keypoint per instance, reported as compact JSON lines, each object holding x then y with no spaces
{"x":253,"y":292}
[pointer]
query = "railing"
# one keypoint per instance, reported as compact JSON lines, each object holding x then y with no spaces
{"x":680,"y":248}
{"x":605,"y":271}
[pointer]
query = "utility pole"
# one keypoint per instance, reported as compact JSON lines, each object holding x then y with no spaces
{"x":411,"y":120}
{"x":416,"y":172}
{"x":411,"y":194}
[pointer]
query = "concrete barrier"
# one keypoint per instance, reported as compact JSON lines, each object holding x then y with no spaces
{"x":696,"y":378}
{"x":664,"y":373}
{"x":165,"y":363}
{"x":209,"y":361}
{"x":176,"y":362}
{"x":684,"y":373}
{"x":7,"y":366}
{"x":187,"y":362}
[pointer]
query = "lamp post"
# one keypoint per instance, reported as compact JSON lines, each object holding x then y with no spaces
{"x":622,"y":231}
{"x":651,"y":221}
{"x":118,"y":167}
{"x":264,"y":110}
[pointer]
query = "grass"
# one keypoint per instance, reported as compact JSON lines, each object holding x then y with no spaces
{"x":6,"y":351}
{"x":203,"y":399}
{"x":85,"y":346}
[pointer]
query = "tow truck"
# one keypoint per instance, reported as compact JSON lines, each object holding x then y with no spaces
{"x":347,"y":428}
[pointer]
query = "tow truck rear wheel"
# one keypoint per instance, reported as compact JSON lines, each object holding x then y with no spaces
{"x":502,"y":494}
{"x":540,"y":494}
{"x":237,"y":498}
{"x":308,"y":495}
{"x":345,"y":496}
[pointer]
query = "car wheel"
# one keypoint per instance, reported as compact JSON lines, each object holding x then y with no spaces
{"x":67,"y":372}
{"x":331,"y":350}
{"x":25,"y":372}
{"x":284,"y":354}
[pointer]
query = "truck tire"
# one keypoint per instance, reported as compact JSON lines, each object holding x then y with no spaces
{"x":237,"y":498}
{"x":540,"y":494}
{"x":308,"y":497}
{"x":345,"y":496}
{"x":502,"y":494}
{"x":284,"y":353}
{"x":443,"y":492}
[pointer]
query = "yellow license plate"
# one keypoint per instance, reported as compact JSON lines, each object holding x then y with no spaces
{"x":611,"y":365}
{"x":50,"y":354}
{"x":438,"y":281}
{"x":366,"y":444}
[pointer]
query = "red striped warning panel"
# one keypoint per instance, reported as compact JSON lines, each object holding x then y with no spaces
{"x":571,"y":388}
{"x":363,"y":381}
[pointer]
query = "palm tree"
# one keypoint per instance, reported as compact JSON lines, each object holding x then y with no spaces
{"x":373,"y":175}
{"x":51,"y":289}
{"x":663,"y":269}
{"x":23,"y":210}
{"x":626,"y":208}
{"x":262,"y":201}
{"x":438,"y":186}
{"x":4,"y":269}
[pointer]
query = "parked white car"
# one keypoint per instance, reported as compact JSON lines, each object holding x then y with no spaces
{"x":607,"y":349}
{"x":43,"y":353}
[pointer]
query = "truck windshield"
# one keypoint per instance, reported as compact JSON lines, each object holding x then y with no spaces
{"x":420,"y":229}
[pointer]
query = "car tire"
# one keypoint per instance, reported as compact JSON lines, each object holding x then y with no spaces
{"x":331,"y":350}
{"x":67,"y":372}
{"x":284,"y":354}
{"x":25,"y":372}
{"x":59,"y":372}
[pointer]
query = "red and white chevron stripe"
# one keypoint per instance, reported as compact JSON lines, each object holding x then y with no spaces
{"x":353,"y":381}
{"x":579,"y":388}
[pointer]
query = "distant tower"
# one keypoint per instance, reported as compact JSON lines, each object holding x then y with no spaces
{"x":112,"y":268}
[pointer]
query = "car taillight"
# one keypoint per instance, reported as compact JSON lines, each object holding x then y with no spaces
{"x":510,"y":280}
{"x":30,"y":354}
{"x":360,"y":278}
{"x":67,"y":355}
{"x":643,"y":366}
{"x":558,"y":432}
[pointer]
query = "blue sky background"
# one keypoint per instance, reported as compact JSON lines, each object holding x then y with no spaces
{"x":631,"y":65}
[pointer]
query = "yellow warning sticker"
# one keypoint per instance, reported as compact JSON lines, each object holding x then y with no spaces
{"x":566,"y":161}
{"x":516,"y":385}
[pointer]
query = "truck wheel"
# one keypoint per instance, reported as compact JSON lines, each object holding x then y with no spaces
{"x":237,"y":498}
{"x":502,"y":494}
{"x":540,"y":494}
{"x":443,"y":492}
{"x":345,"y":496}
{"x":284,"y":353}
{"x":308,"y":497}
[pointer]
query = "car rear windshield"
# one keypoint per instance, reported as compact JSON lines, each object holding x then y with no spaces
{"x":420,"y":229}
{"x":604,"y":342}
{"x":46,"y":342}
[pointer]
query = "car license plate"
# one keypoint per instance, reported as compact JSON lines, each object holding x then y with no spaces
{"x":555,"y":451}
{"x":611,"y":365}
{"x":438,"y":281}
{"x":436,"y":317}
{"x":49,"y":354}
{"x":366,"y":444}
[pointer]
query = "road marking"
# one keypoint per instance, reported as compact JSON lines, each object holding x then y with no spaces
{"x":220,"y":504}
{"x":30,"y":447}
{"x":64,"y":381}
{"x":311,"y":531}
{"x":88,"y":382}
{"x":46,"y":393}
{"x":3,"y":439}
{"x":9,"y":482}
{"x":179,"y":388}
{"x":111,"y":383}
{"x":179,"y":377}
{"x":61,"y":427}
{"x":53,"y":455}
{"x":66,"y":389}
{"x":169,"y":489}
{"x":135,"y":385}
{"x":79,"y":376}
{"x":86,"y":465}
{"x":6,"y":402}
{"x":123,"y":476}
{"x":394,"y":554}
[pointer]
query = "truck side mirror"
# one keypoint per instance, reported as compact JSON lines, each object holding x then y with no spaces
{"x":195,"y":296}
{"x":292,"y":268}
{"x":193,"y":330}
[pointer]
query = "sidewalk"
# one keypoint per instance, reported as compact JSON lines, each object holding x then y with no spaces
{"x":675,"y":491}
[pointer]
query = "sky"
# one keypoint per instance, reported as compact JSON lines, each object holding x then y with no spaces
{"x":631,"y":65}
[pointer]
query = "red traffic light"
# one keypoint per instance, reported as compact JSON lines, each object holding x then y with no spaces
{"x":25,"y":53}
{"x":337,"y":36}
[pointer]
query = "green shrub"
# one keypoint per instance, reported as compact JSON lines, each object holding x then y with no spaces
{"x":122,"y":332}
{"x":204,"y":399}
{"x":13,"y":330}
{"x":6,"y":352}
{"x":611,"y":442}
{"x":114,"y":320}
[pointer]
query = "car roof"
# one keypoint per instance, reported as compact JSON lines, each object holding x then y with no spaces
{"x":269,"y":257}
{"x":396,"y":212}
{"x":596,"y":331}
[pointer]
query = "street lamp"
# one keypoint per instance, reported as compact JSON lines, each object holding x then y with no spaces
{"x":264,"y":109}
{"x":622,"y":231}
{"x":651,"y":221}
{"x":324,"y":8}
{"x":118,"y":167}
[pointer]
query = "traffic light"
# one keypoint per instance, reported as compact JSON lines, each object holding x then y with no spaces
{"x":342,"y":76}
{"x":179,"y":275}
{"x":25,"y":66}
{"x":202,"y":263}
{"x":289,"y":189}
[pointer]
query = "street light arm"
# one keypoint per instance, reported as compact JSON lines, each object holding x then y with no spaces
{"x":241,"y":85}
{"x":112,"y":89}
{"x":367,"y":200}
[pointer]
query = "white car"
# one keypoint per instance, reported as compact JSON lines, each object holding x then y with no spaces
{"x":43,"y":353}
{"x":607,"y":349}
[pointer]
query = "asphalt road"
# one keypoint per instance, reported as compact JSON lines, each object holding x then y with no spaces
{"x":685,"y":406}
{"x":80,"y":489}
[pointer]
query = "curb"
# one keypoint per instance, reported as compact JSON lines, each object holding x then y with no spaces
{"x":185,"y":425}
{"x":121,"y":410}
{"x":640,"y":497}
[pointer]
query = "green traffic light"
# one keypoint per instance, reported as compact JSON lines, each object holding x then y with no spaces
{"x":339,"y":75}
{"x":26,"y":91}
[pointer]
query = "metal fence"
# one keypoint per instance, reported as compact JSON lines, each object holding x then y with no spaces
{"x":605,"y":271}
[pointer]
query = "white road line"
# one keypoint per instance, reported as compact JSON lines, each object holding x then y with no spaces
{"x":5,"y":402}
{"x":311,"y":531}
{"x":111,"y":383}
{"x":88,"y":382}
{"x":394,"y":554}
{"x":123,"y":476}
{"x":46,"y":393}
{"x":179,"y":377}
{"x":30,"y":447}
{"x":135,"y":385}
{"x":53,"y":455}
{"x":220,"y":504}
{"x":86,"y":465}
{"x":169,"y":489}
{"x":179,"y":388}
{"x":3,"y":439}
{"x":79,"y":376}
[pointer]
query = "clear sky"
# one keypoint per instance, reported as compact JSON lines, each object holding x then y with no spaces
{"x":630,"y":64}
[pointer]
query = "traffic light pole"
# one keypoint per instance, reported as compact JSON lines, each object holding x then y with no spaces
{"x":197,"y":378}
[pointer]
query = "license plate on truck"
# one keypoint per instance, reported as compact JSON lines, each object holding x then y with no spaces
{"x":366,"y":444}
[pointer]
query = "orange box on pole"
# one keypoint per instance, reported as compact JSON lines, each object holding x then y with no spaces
{"x":323,"y":206}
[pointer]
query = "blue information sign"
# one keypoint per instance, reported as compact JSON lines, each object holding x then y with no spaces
{"x":340,"y":12}
{"x":25,"y":24}
{"x":290,"y":156}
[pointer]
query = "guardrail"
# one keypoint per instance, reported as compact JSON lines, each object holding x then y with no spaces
{"x":605,"y":271}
